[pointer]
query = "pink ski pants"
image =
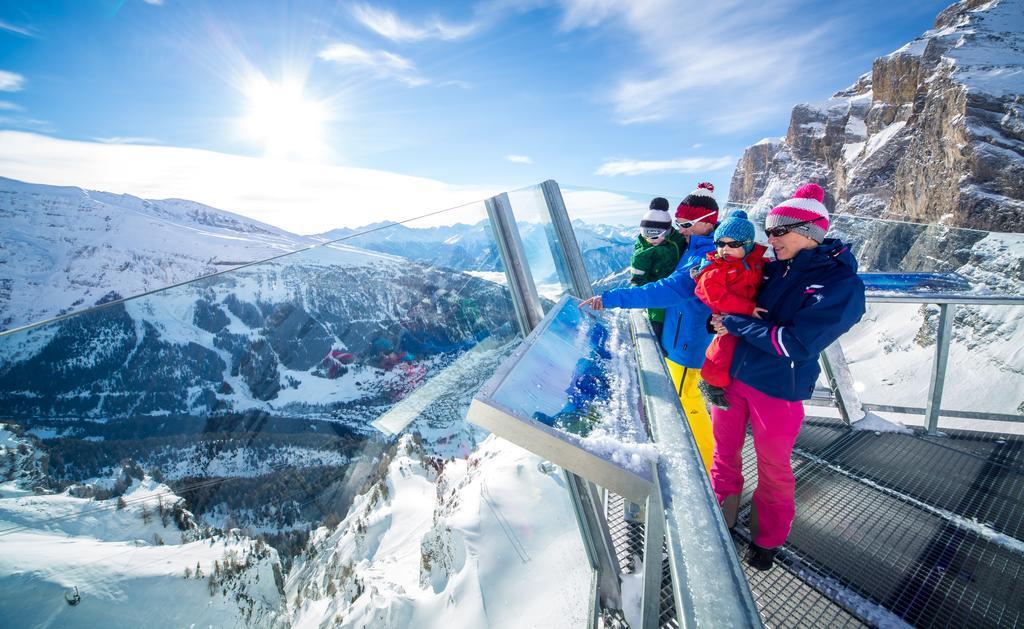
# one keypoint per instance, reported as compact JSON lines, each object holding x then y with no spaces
{"x":775,"y":424}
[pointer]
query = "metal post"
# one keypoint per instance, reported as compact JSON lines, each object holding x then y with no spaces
{"x":571,"y":255}
{"x":945,"y":335}
{"x":525,"y":299}
{"x":570,"y":262}
{"x":840,"y":380}
{"x":654,"y":540}
{"x":596,"y":539}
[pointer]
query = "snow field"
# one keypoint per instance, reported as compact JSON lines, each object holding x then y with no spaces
{"x":493,"y":543}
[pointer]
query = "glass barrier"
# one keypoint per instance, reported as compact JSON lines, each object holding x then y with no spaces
{"x":540,"y":244}
{"x":227,"y":447}
{"x":891,"y":350}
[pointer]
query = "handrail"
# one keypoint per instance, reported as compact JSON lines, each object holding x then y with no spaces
{"x":882,"y":297}
{"x":708,"y":582}
{"x":947,"y":303}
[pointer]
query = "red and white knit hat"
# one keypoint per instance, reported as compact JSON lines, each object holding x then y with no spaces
{"x":699,"y":205}
{"x":807,"y":206}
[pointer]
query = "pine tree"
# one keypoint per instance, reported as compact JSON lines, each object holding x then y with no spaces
{"x":199,"y":571}
{"x":146,"y":515}
{"x":121,"y":504}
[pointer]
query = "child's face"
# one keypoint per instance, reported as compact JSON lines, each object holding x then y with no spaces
{"x":654,"y":236}
{"x":724,"y":250}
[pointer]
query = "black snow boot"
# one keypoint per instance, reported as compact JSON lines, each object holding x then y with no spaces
{"x":715,"y":396}
{"x":761,"y":558}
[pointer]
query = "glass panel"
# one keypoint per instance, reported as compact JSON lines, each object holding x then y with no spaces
{"x":540,"y":244}
{"x":191,"y":443}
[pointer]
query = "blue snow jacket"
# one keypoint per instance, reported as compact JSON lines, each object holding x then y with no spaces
{"x":685,"y":337}
{"x":812,"y":299}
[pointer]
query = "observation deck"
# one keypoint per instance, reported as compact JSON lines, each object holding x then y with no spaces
{"x":287,"y":444}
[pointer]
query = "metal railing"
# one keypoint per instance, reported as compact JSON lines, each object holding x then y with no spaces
{"x":847,"y":400}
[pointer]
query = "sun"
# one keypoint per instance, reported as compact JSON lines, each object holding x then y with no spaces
{"x":283,"y":121}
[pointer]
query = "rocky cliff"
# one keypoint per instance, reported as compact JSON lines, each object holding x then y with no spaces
{"x":934,"y":133}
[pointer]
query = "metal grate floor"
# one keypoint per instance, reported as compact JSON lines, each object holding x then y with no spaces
{"x":923,"y":530}
{"x":628,"y":538}
{"x":890,"y":529}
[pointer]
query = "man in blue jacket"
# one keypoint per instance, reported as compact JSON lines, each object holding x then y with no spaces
{"x":811,"y":295}
{"x":685,"y":337}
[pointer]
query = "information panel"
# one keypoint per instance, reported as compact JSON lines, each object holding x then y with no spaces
{"x":570,"y":394}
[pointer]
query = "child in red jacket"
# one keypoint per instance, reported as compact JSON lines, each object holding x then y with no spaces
{"x":728,"y":283}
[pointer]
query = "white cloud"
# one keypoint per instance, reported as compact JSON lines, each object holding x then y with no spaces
{"x":386,"y":24}
{"x":457,"y":83}
{"x":612,"y":168}
{"x":25,"y":122}
{"x":519,"y":159}
{"x":11,"y":81}
{"x":8,"y":106}
{"x":118,"y":139}
{"x":378,"y":62}
{"x":603,"y":206}
{"x":17,"y":30}
{"x":301,"y":197}
{"x":710,"y":61}
{"x":154,"y":2}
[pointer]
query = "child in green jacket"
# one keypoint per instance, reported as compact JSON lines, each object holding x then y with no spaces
{"x":656,"y":253}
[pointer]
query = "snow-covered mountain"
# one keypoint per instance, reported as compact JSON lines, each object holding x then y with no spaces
{"x":66,"y":248}
{"x":484,"y":541}
{"x":606,"y":249}
{"x":133,"y":558}
{"x":934,"y":133}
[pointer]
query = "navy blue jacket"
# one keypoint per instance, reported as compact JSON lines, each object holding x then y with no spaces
{"x":812,"y":300}
{"x":685,"y":337}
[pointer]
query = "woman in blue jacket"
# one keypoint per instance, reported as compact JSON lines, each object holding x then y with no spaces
{"x":685,"y":337}
{"x":811,"y":296}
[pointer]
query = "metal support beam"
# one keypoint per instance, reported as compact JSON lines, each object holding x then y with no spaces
{"x":840,"y":380}
{"x":525,"y":299}
{"x":945,"y":335}
{"x":571,"y":262}
{"x":596,"y":539}
{"x":654,"y":540}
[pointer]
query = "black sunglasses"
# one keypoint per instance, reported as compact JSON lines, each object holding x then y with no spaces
{"x":732,"y":244}
{"x":782,"y":230}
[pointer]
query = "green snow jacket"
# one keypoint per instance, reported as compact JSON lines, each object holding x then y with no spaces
{"x":650,"y":263}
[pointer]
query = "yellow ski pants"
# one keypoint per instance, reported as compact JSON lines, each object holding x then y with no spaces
{"x":686,"y":380}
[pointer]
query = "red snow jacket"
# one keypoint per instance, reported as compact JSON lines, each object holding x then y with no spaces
{"x":730,"y":285}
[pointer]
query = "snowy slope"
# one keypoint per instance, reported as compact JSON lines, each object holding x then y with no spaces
{"x":66,"y":248}
{"x":128,"y":557}
{"x":485,"y":541}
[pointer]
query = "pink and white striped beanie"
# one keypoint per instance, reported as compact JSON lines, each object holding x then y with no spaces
{"x":806,"y":205}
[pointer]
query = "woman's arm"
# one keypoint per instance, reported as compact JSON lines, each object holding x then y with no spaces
{"x":832,"y":311}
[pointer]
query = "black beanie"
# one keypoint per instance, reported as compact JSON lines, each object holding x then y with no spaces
{"x":659,"y":203}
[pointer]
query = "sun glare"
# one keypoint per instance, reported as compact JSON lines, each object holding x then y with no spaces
{"x":283,"y":121}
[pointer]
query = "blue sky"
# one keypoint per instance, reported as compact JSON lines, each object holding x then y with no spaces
{"x":457,"y":99}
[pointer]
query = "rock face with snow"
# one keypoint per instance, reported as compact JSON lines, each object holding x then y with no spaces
{"x":933,"y":134}
{"x":67,"y":248}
